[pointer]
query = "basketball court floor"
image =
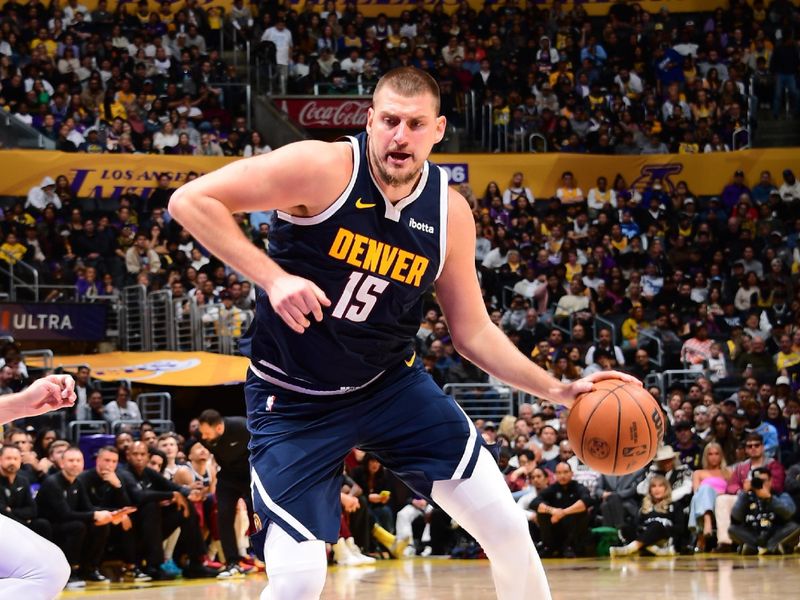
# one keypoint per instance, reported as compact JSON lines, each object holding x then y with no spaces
{"x":684,"y":578}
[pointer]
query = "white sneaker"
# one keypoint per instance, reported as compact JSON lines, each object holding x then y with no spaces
{"x":75,"y":583}
{"x":410,"y":551}
{"x":356,"y":552}
{"x":343,"y":556}
{"x":426,"y":551}
{"x":668,"y":550}
{"x":231,"y":572}
{"x":622,"y":550}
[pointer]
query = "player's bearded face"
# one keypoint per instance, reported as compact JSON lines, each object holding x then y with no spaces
{"x":402,"y":131}
{"x":396,"y":166}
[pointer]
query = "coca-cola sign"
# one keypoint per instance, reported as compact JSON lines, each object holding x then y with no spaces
{"x":326,"y":113}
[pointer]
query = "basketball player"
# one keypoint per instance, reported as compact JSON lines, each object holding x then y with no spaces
{"x":364,"y":226}
{"x":31,"y":566}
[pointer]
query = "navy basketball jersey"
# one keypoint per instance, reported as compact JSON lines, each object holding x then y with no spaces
{"x":373,"y":260}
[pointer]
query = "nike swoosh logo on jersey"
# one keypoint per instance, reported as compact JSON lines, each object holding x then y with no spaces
{"x":410,"y":361}
{"x":361,"y":204}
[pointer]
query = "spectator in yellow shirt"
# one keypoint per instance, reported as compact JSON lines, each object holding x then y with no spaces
{"x":45,"y":40}
{"x":631,"y":327}
{"x":787,"y":357}
{"x":12,"y":251}
{"x":569,"y":193}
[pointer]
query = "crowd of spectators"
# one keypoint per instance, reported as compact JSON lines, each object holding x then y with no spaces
{"x":632,"y":82}
{"x":153,"y":504}
{"x":125,"y":81}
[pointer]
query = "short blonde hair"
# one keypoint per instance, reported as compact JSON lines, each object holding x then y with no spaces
{"x":410,"y":81}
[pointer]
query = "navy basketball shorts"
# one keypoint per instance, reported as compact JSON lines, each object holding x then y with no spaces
{"x":299,"y":442}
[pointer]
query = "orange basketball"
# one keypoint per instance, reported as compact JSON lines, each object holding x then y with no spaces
{"x":616,"y":428}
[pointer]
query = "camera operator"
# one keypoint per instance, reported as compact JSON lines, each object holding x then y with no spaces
{"x":763,"y":522}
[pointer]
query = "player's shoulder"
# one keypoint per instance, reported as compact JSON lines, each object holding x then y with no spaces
{"x":458,"y":205}
{"x":317,"y":152}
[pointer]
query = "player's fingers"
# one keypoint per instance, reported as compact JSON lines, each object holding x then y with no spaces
{"x":290,"y":322}
{"x":294,"y":318}
{"x":625,"y":377}
{"x":68,"y":386}
{"x":323,"y":299}
{"x":299,"y":316}
{"x":52,"y":392}
{"x":602,"y":375}
{"x":313,"y":305}
{"x":583,"y":386}
{"x":299,"y":302}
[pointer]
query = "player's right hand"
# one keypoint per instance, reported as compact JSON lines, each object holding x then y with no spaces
{"x":48,"y":393}
{"x":293,"y":298}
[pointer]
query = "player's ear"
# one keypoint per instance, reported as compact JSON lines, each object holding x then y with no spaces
{"x":370,"y":116}
{"x":441,"y":127}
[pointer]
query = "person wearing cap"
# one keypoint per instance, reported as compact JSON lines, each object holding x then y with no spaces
{"x":783,"y":388}
{"x":733,"y":191}
{"x":489,"y":432}
{"x":687,"y":444}
{"x":740,"y":482}
{"x":666,"y":463}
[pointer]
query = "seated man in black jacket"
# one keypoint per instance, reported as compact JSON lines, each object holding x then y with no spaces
{"x":153,"y":522}
{"x":16,"y":500}
{"x":562,"y":514}
{"x":80,"y":529}
{"x":106,"y":491}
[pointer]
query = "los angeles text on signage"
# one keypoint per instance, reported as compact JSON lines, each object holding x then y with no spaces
{"x":707,"y":173}
{"x":113,"y":183}
{"x":45,"y":321}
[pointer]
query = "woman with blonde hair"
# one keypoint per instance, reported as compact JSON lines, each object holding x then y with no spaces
{"x":707,"y":483}
{"x":655,"y":523}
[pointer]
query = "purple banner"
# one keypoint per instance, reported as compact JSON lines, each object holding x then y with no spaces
{"x":44,"y":321}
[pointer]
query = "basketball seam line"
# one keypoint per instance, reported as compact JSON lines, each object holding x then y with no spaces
{"x":619,"y":427}
{"x":591,"y":414}
{"x":644,"y":414}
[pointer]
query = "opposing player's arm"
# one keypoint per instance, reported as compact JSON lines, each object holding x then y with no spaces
{"x":474,"y":335}
{"x":303,"y":178}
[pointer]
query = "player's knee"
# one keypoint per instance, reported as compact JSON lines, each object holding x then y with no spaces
{"x":506,"y":531}
{"x":61,"y":570}
{"x":54,"y":569}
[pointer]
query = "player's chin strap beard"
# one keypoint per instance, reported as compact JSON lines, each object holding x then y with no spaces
{"x":390,"y":180}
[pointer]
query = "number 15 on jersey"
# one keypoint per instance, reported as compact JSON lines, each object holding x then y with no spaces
{"x":359,"y":297}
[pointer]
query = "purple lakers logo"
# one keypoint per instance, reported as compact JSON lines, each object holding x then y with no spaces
{"x":652,"y":173}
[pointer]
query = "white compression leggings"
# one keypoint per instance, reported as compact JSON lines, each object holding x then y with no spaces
{"x":481,"y":504}
{"x":30,"y":566}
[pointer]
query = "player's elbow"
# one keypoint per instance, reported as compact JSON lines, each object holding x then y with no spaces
{"x":177,"y":204}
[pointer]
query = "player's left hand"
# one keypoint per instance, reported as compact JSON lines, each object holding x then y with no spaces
{"x":568,"y":393}
{"x":46,"y":394}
